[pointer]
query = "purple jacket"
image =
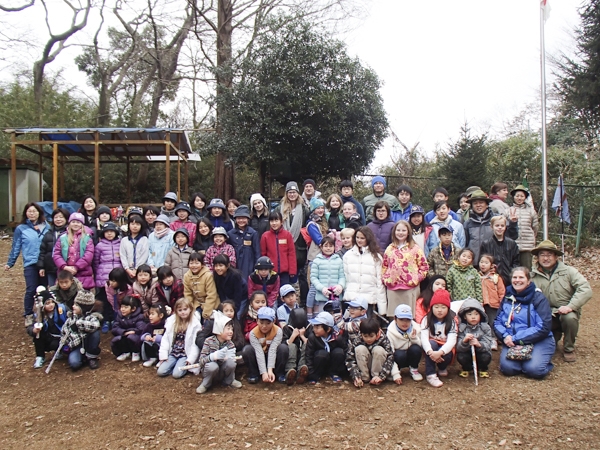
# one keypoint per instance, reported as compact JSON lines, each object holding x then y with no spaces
{"x":80,"y":255}
{"x":154,"y":330}
{"x":382,"y":232}
{"x":106,"y":258}
{"x":133,"y":322}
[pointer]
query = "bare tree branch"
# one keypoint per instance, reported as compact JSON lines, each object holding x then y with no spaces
{"x":17,"y":8}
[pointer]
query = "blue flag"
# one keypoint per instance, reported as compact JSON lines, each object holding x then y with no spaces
{"x":560,"y":203}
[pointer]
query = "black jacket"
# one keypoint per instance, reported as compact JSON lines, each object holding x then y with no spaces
{"x":45,"y":260}
{"x":231,"y":286}
{"x":506,"y":256}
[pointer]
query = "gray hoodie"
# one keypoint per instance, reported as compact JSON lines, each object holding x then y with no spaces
{"x":482,"y":331}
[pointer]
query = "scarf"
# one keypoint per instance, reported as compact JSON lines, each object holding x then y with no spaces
{"x":161,"y":234}
{"x":252,"y":313}
{"x":447,"y":252}
{"x":297,"y":224}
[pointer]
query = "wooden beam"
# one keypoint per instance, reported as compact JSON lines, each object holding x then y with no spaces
{"x":61,"y":176}
{"x":55,"y":176}
{"x":97,"y":167}
{"x":179,"y":177}
{"x":41,"y":176}
{"x":186,"y":181}
{"x":128,"y":181}
{"x":13,"y":176}
{"x":168,"y":163}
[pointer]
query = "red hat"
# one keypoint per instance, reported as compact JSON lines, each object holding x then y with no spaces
{"x":440,"y":297}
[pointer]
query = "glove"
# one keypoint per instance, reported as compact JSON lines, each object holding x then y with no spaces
{"x":219,"y":355}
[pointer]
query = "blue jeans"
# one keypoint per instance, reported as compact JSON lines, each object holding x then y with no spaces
{"x":171,"y":367}
{"x":51,"y":279}
{"x":430,"y":364}
{"x":32,"y":280}
{"x":538,"y":366}
{"x":91,"y":344}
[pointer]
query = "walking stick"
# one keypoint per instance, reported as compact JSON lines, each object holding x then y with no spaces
{"x":474,"y":365}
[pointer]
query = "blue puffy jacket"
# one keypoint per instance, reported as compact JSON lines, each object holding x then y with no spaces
{"x":28,"y":240}
{"x":158,"y":248}
{"x":531,"y":321}
{"x":326,"y":272}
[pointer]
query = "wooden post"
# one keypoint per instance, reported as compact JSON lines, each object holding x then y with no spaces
{"x":178,"y":176}
{"x":97,"y":166}
{"x":186,"y":180}
{"x":168,"y":162}
{"x":41,"y":174}
{"x":13,"y":177}
{"x":55,"y":175}
{"x":61,"y":176}
{"x":128,"y":180}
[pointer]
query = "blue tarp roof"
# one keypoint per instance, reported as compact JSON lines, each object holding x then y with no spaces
{"x":114,"y":139}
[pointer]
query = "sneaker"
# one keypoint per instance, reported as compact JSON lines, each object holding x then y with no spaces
{"x":93,"y":363}
{"x":290,"y":377}
{"x":123,"y":356}
{"x":201,"y":389}
{"x":494,"y":345}
{"x":252,"y":380}
{"x":281,"y":379}
{"x":39,"y":362}
{"x":336,"y":379}
{"x":105,"y":327}
{"x":236,"y":384}
{"x":150,"y":362}
{"x":434,"y":381}
{"x":135,"y":357}
{"x":28,"y":320}
{"x":484,"y":375}
{"x":414,"y":373}
{"x":312,"y":383}
{"x":464,"y":374}
{"x":569,"y":356}
{"x":443,"y":373}
{"x":302,"y":374}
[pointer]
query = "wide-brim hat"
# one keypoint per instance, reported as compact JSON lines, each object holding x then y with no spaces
{"x":216,"y":203}
{"x":183,"y":206}
{"x":242,"y":211}
{"x":546,"y":245}
{"x":163,"y":219}
{"x":219,"y":230}
{"x":170,"y":196}
{"x":520,"y":188}
{"x":183,"y":231}
{"x":109,"y":226}
{"x":479,"y":195}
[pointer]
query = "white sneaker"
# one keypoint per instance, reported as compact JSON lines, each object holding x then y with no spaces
{"x":236,"y":384}
{"x":494,"y":344}
{"x":150,"y":362}
{"x":39,"y":362}
{"x":135,"y":357}
{"x":414,"y":373}
{"x":434,"y":381}
{"x":201,"y":389}
{"x":123,"y":356}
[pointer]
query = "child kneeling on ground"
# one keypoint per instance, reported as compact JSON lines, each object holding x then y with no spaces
{"x":370,"y":356}
{"x":294,"y":337}
{"x":46,"y":330}
{"x":127,"y":329}
{"x":405,"y":337}
{"x":153,"y":333}
{"x":474,"y":331}
{"x":217,"y":358}
{"x":325,"y":350}
{"x":83,"y":329}
{"x":265,"y":356}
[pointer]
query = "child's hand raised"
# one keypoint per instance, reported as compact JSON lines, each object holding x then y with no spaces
{"x":358,"y":382}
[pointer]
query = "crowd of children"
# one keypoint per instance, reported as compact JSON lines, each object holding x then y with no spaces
{"x":201,"y":288}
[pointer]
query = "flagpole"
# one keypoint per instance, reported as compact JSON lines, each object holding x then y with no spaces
{"x":562,"y":221}
{"x":544,"y":154}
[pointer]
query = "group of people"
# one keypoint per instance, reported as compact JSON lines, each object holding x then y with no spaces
{"x":311,"y":288}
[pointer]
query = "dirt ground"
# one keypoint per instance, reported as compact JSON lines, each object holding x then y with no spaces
{"x":126,"y":406}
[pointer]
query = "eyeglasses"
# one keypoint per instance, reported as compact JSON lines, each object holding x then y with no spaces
{"x":545,"y":254}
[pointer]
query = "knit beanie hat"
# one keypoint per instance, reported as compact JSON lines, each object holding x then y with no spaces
{"x":309,"y":181}
{"x":255,"y":197}
{"x":316,"y":203}
{"x":85,"y":300}
{"x":378,"y":179}
{"x":76,"y":216}
{"x":440,"y":297}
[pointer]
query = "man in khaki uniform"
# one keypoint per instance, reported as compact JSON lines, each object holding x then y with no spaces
{"x":566,"y":290}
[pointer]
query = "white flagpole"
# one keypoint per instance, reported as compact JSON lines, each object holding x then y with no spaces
{"x":544,"y":150}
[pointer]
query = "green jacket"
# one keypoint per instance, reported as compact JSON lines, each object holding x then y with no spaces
{"x":565,"y":287}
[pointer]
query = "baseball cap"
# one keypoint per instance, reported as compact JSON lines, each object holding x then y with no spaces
{"x":359,"y":303}
{"x":266,"y":313}
{"x":323,"y":318}
{"x":403,"y":312}
{"x":286,"y":289}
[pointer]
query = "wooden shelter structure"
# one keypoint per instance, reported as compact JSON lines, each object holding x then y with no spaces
{"x":100,"y":146}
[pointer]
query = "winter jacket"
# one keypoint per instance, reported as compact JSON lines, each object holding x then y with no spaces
{"x":155,"y":330}
{"x":238,"y":335}
{"x":403,"y":267}
{"x":51,"y":326}
{"x":260,"y":224}
{"x":370,"y":200}
{"x":178,"y":260}
{"x":28,"y":240}
{"x":505,"y":253}
{"x":399,"y":213}
{"x":79,"y":255}
{"x":382,"y":342}
{"x":160,"y":298}
{"x":383,"y":232}
{"x":431,"y":215}
{"x":438,"y":265}
{"x":482,"y":331}
{"x":132,"y":322}
{"x":528,"y":227}
{"x":421,"y":237}
{"x":118,"y":295}
{"x":316,"y":234}
{"x":106,"y":258}
{"x":77,"y":327}
{"x":478,"y":230}
{"x":190,"y":226}
{"x":215,"y":250}
{"x":67,"y":297}
{"x":269,"y":285}
{"x":363,"y":277}
{"x":247,"y":249}
{"x":158,"y":248}
{"x":201,"y":244}
{"x":458,"y":234}
{"x":359,"y":208}
{"x":170,"y":214}
{"x":335,"y":219}
{"x":400,"y":340}
{"x":314,"y":344}
{"x":191,"y":349}
{"x":146,"y":294}
{"x":220,"y":222}
{"x":210,"y":345}
{"x":499,"y":206}
{"x":133,"y":256}
{"x":564,"y":287}
{"x":493,"y":289}
{"x":45,"y":259}
{"x":200,"y":289}
{"x":279,"y":247}
{"x":463,"y":282}
{"x":326,"y":272}
{"x":531,"y":317}
{"x":231,"y":286}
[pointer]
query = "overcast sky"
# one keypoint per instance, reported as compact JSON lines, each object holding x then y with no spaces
{"x":444,"y":62}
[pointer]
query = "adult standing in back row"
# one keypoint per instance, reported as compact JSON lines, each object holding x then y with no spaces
{"x":295,"y":214}
{"x":378,"y":184}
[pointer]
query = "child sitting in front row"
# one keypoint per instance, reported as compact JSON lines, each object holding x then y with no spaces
{"x":249,"y":320}
{"x":438,"y":337}
{"x":294,"y":337}
{"x":474,"y":331}
{"x":153,"y":333}
{"x":370,"y":356}
{"x":405,"y":337}
{"x":228,"y":308}
{"x":117,"y":288}
{"x":325,"y":350}
{"x":46,"y":329}
{"x":288,"y":296}
{"x":218,"y":358}
{"x":127,"y":329}
{"x":351,"y":319}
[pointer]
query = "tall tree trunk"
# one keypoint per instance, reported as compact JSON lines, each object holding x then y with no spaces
{"x":224,"y":171}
